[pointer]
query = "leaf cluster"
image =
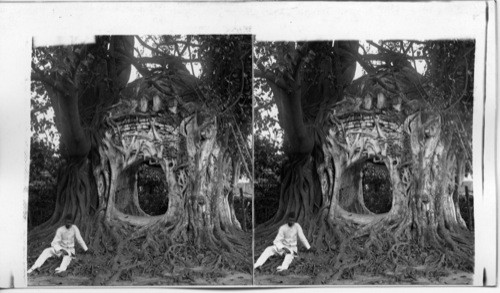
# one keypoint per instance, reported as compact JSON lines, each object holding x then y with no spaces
{"x":443,"y":84}
{"x":227,"y":80}
{"x":451,"y":75}
{"x":43,"y":172}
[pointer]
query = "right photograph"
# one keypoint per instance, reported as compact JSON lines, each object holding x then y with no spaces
{"x":363,"y":162}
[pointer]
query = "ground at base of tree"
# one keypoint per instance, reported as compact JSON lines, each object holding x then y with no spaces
{"x":276,"y":279}
{"x":268,"y":276}
{"x":188,"y":277}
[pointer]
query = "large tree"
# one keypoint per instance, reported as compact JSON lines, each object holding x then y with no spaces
{"x":416,"y":127}
{"x":169,"y":118}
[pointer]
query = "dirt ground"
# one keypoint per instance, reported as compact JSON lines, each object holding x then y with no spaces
{"x":242,"y":279}
{"x":200,"y":276}
{"x":245,"y":279}
{"x":226,"y":278}
{"x":99,"y":275}
{"x":270,"y":277}
{"x":277,"y":279}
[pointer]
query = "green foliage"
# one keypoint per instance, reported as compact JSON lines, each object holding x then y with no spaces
{"x":44,"y":165}
{"x":227,"y":80}
{"x":66,"y":70}
{"x":467,"y":211}
{"x":223,"y":64}
{"x":445,"y":87}
{"x":443,"y":84}
{"x":243,"y":210}
{"x":264,"y":106}
{"x":451,"y":75}
{"x":283,"y":60}
{"x":42,"y":116}
{"x":269,"y":159}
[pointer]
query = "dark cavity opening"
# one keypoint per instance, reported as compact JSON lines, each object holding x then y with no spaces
{"x":152,"y":189}
{"x":365,"y":188}
{"x":377,"y":187}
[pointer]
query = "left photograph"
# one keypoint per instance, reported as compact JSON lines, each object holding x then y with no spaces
{"x":140,"y":164}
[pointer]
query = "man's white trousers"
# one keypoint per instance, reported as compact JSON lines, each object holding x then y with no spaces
{"x":48,"y":253}
{"x":270,"y":251}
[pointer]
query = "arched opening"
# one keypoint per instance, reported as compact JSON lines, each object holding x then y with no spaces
{"x":126,"y":191}
{"x":142,"y":190}
{"x":365,"y":188}
{"x":152,"y":189}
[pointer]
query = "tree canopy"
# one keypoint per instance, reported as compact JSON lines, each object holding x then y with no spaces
{"x":212,"y":58}
{"x":446,"y":69}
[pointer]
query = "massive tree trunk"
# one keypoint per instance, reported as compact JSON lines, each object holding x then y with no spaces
{"x":380,"y":119}
{"x":158,"y":120}
{"x":199,"y":226}
{"x":302,"y":96}
{"x":71,"y":95}
{"x":424,"y":215}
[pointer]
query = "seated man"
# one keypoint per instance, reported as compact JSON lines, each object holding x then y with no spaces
{"x":285,"y":243}
{"x":62,"y":245}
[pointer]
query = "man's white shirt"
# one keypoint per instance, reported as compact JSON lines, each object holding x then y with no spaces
{"x":65,"y":239}
{"x":287,"y":237}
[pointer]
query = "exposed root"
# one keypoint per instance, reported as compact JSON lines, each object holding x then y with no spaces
{"x":158,"y":249}
{"x":381,"y":248}
{"x":384,"y":247}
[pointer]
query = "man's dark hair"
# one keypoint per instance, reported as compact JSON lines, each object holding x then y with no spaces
{"x":291,"y":216}
{"x":68,"y":217}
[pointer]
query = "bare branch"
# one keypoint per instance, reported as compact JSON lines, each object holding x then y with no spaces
{"x":143,"y":71}
{"x":274,"y":120}
{"x":381,"y":48}
{"x":360,"y":59}
{"x":272,"y":78}
{"x":39,"y":75}
{"x":262,"y":106}
{"x":176,"y":46}
{"x":383,"y":57}
{"x":464,"y":91}
{"x":242,"y":138}
{"x":165,"y":58}
{"x":186,"y":45}
{"x":242,"y":76}
{"x":413,"y":54}
{"x":162,"y":60}
{"x":231,"y":106}
{"x":190,"y":63}
{"x":144,"y":44}
{"x":41,"y":109}
{"x":410,"y":45}
{"x":242,"y":156}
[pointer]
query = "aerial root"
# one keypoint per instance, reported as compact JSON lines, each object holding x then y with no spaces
{"x":160,"y":249}
{"x":118,"y":273}
{"x":346,"y":267}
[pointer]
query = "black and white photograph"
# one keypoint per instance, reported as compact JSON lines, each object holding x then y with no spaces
{"x":363,"y":159}
{"x":234,"y":145}
{"x":140,"y":162}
